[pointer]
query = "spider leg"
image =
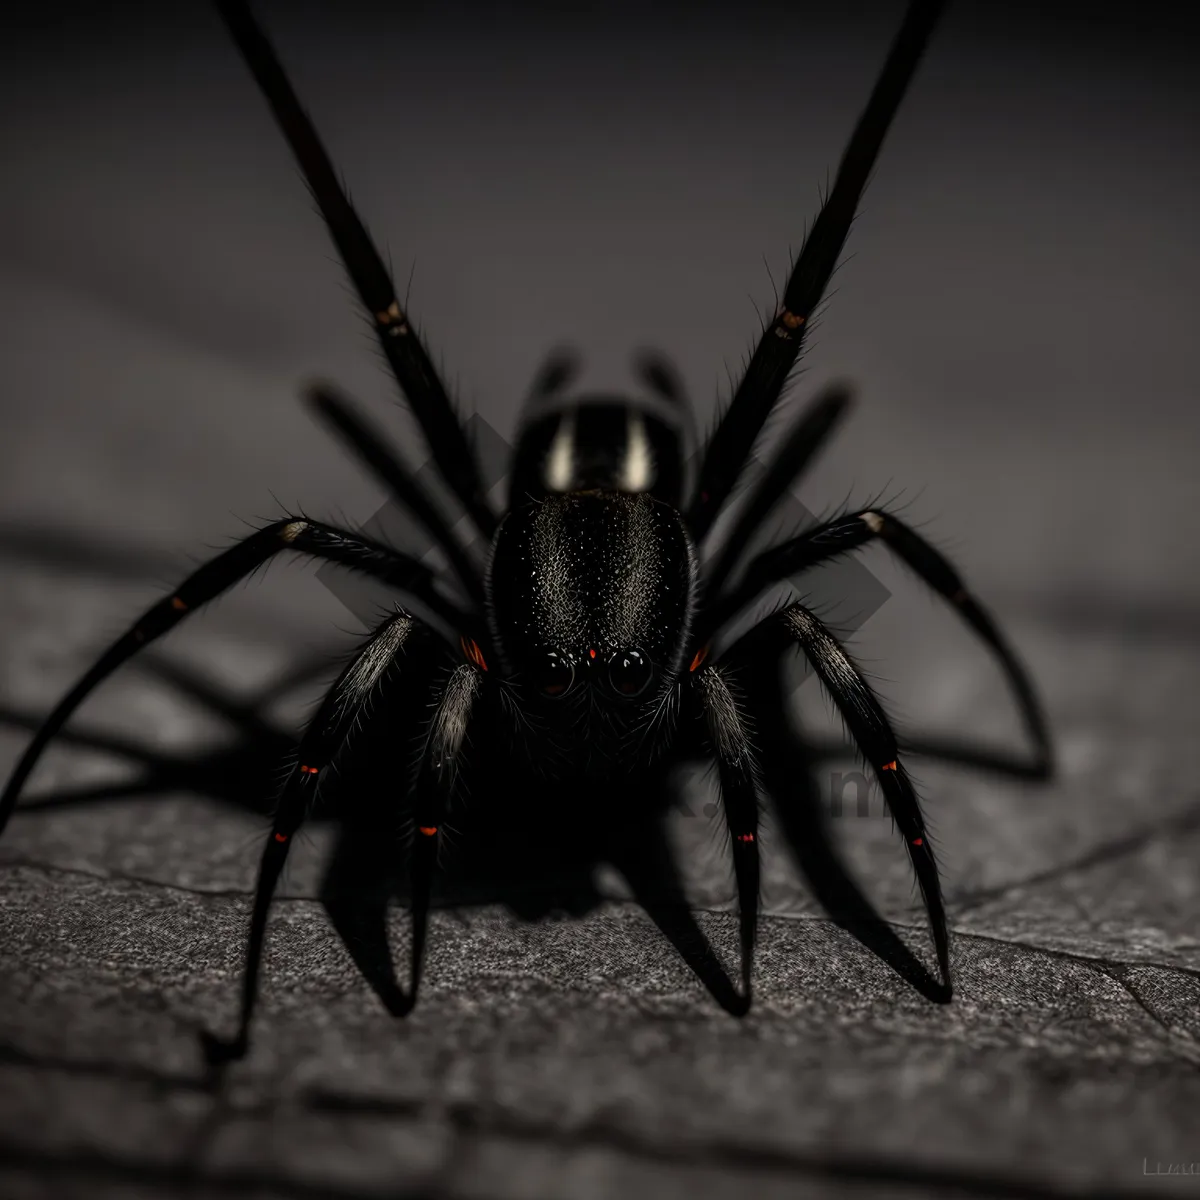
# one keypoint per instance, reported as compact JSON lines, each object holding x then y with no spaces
{"x":729,"y":744}
{"x":664,"y":380}
{"x":373,"y":671}
{"x":784,"y":766}
{"x":408,"y":358}
{"x":649,"y":868}
{"x":847,"y":534}
{"x":233,"y":774}
{"x":806,"y":438}
{"x":779,"y":346}
{"x":445,"y":745}
{"x":217,"y":576}
{"x":363,"y":874}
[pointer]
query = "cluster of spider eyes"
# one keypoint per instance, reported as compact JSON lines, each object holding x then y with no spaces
{"x":626,"y":672}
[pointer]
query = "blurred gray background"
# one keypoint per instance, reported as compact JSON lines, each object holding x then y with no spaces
{"x":1018,"y":312}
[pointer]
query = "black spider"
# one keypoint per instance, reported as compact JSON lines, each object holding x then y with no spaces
{"x":575,"y":674}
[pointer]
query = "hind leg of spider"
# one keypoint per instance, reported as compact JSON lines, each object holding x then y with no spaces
{"x":713,"y":691}
{"x":784,"y":764}
{"x":400,"y":652}
{"x":218,"y":575}
{"x":806,"y":438}
{"x":847,"y":534}
{"x":646,"y":862}
{"x":371,"y":447}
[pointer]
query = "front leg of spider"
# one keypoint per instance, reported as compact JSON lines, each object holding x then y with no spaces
{"x":716,"y":697}
{"x":445,"y":746}
{"x":359,"y":883}
{"x":402,"y":347}
{"x":785,"y":768}
{"x":377,"y":669}
{"x":296,"y":534}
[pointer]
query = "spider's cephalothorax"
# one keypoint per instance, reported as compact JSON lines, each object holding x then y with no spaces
{"x":562,"y":692}
{"x":590,"y":594}
{"x":591,"y":581}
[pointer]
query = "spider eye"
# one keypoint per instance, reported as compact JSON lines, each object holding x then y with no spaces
{"x":629,"y":672}
{"x":556,"y":674}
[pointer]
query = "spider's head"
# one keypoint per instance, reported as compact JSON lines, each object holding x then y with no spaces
{"x":591,"y":599}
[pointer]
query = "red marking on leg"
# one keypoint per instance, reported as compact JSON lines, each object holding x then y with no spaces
{"x":701,"y":655}
{"x":428,"y":830}
{"x":745,"y":837}
{"x":178,"y":604}
{"x":472,"y":652}
{"x":281,"y":837}
{"x":309,"y":770}
{"x":889,"y":766}
{"x":591,"y":654}
{"x":918,"y":841}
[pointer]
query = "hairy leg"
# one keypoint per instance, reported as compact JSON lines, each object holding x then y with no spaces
{"x":847,"y":534}
{"x":714,"y":692}
{"x":217,"y":576}
{"x":787,"y":775}
{"x":400,"y":653}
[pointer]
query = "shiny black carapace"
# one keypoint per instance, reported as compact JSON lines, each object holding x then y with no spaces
{"x":527,"y":719}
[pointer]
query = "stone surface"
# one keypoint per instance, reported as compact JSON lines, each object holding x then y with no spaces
{"x":580,"y":1057}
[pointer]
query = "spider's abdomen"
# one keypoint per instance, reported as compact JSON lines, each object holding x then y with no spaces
{"x":599,"y":443}
{"x":592,"y":570}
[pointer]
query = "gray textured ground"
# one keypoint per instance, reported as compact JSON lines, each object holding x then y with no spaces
{"x":581,"y":1059}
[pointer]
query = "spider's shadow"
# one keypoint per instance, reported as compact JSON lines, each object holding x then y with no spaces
{"x":243,"y":771}
{"x":240,"y":772}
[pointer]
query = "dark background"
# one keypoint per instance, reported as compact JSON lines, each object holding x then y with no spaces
{"x":1018,"y":311}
